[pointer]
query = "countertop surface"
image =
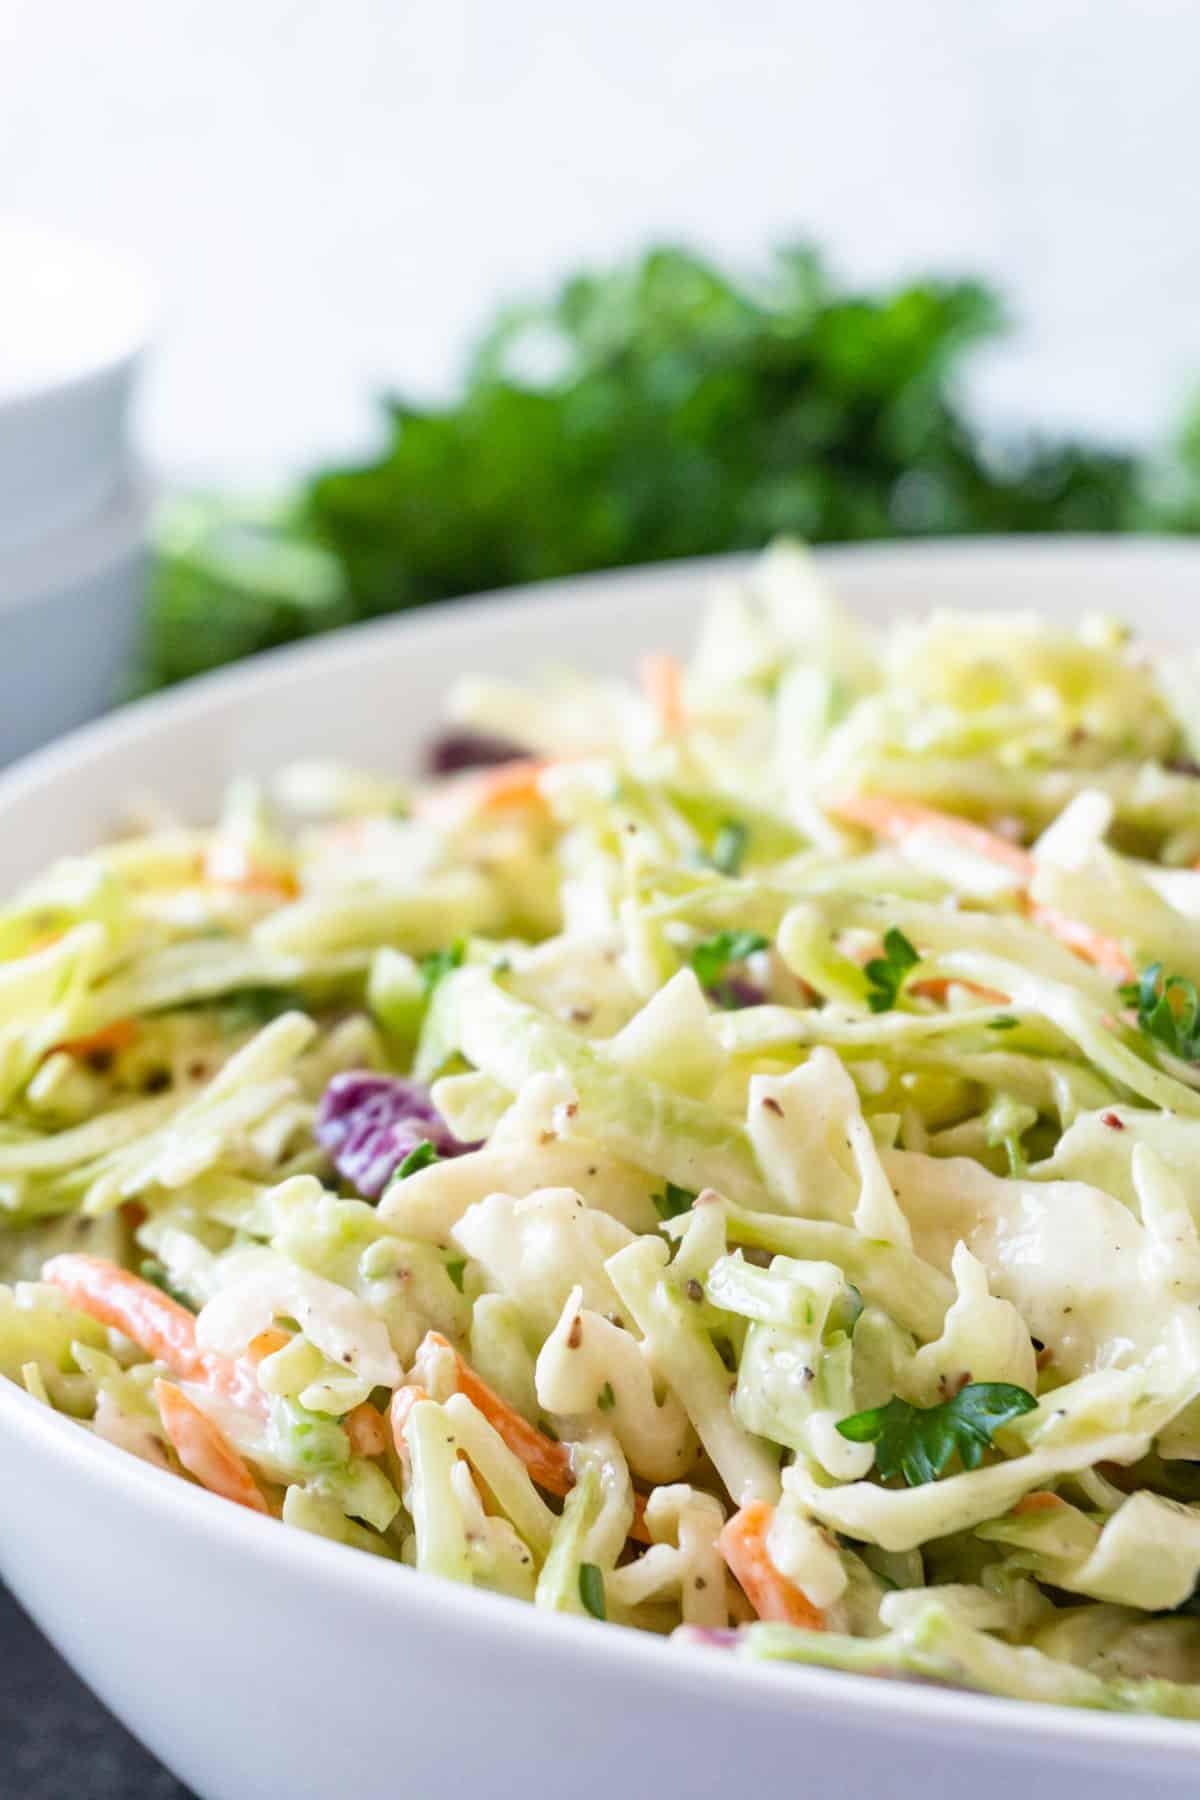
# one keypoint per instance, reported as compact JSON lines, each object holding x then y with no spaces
{"x":57,"y":1742}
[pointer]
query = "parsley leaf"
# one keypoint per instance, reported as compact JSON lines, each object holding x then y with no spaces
{"x":673,"y":1201}
{"x":918,"y":1441}
{"x":711,"y":958}
{"x":591,"y":1590}
{"x":454,"y":1269}
{"x":440,"y":963}
{"x":886,"y":974}
{"x":606,"y":1399}
{"x":729,"y":847}
{"x":419,"y":1157}
{"x":1168,"y":1010}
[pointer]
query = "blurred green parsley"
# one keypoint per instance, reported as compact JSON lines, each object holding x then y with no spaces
{"x":662,"y":410}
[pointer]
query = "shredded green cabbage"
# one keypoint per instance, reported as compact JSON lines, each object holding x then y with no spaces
{"x":736,"y":1168}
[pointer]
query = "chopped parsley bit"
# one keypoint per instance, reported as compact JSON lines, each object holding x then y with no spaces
{"x":1168,"y":1010}
{"x":886,"y":974}
{"x":673,"y":1201}
{"x":591,"y":1590}
{"x":1003,"y":1022}
{"x":606,"y":1399}
{"x":454,"y":1269}
{"x":419,"y":1157}
{"x":440,"y":962}
{"x":729,"y":847}
{"x":710,"y":959}
{"x":918,"y":1441}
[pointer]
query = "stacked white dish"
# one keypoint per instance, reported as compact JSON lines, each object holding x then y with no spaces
{"x":73,"y":506}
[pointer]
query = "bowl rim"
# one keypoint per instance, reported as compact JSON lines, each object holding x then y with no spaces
{"x":951,"y":1714}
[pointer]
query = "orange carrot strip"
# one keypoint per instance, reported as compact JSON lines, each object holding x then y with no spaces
{"x":895,"y":820}
{"x":937,"y":987}
{"x":115,"y":1037}
{"x":366,"y":1429}
{"x":159,"y":1325}
{"x":204,"y":1451}
{"x":743,"y":1544}
{"x":401,"y":1404}
{"x":1040,"y":1501}
{"x":229,"y":863}
{"x":548,"y":1463}
{"x":661,"y":677}
{"x":265,"y":1344}
{"x":1093,"y":946}
{"x":512,"y":784}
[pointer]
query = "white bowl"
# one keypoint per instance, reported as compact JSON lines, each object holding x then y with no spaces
{"x":260,"y":1663}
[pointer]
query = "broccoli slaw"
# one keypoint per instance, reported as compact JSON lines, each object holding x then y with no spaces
{"x":717,"y":1153}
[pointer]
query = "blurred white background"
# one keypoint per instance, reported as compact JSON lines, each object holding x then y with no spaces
{"x":332,"y":195}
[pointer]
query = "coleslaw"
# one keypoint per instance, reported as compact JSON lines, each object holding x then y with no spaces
{"x":718,"y":1154}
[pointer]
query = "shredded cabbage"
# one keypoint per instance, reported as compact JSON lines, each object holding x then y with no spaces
{"x":788,"y":1223}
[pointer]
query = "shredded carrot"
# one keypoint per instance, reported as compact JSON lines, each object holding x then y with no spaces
{"x":1040,"y":1501}
{"x":1093,"y":946}
{"x":937,"y":987}
{"x":204,"y":1450}
{"x":114,"y":1038}
{"x":513,"y":784}
{"x":265,"y":1344}
{"x":230,"y":864}
{"x":661,"y":677}
{"x":889,"y":817}
{"x":159,"y":1325}
{"x":367,"y":1430}
{"x":743,"y":1544}
{"x":548,"y":1463}
{"x":402,"y":1402}
{"x":896,"y":819}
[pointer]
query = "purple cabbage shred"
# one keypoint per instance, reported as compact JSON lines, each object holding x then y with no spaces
{"x":463,"y":748}
{"x":367,"y":1124}
{"x":735,"y":991}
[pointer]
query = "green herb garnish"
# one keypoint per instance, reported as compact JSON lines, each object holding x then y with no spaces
{"x":591,"y":1590}
{"x":1003,"y":1022}
{"x":886,"y":974}
{"x":673,"y":1201}
{"x":918,"y":1441}
{"x":1168,"y":1010}
{"x":606,"y":1399}
{"x":454,"y":1269}
{"x":711,"y":958}
{"x":419,"y":1157}
{"x":440,"y":963}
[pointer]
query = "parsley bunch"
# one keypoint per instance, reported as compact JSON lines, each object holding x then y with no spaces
{"x":662,"y":409}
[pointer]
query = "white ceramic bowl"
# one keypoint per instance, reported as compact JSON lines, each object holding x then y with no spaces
{"x":259,"y":1663}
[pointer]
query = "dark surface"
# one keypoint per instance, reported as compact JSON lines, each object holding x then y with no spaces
{"x":56,"y":1740}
